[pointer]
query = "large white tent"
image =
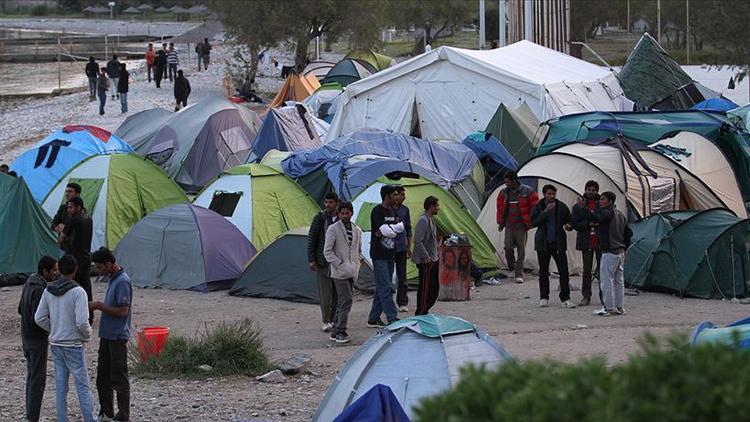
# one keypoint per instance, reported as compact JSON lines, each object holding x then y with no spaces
{"x":449,"y":92}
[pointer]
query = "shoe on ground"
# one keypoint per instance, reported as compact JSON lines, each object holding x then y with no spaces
{"x":621,"y":311}
{"x":326,"y":327}
{"x":600,"y":312}
{"x":584,"y":302}
{"x":543,"y":303}
{"x":332,"y":337}
{"x":491,"y":281}
{"x":105,"y":418}
{"x":343,"y":337}
{"x":393,"y":320}
{"x":519,"y":280}
{"x":568,"y":304}
{"x":403,"y":309}
{"x":375,"y":324}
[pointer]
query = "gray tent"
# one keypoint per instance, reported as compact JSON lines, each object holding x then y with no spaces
{"x":184,"y":246}
{"x":132,"y":10}
{"x":162,"y":9}
{"x":139,"y":128}
{"x":416,"y":357}
{"x":202,"y":140}
{"x":280,"y":271}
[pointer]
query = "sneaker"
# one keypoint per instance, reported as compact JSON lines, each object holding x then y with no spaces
{"x":326,"y":327}
{"x":543,"y":303}
{"x":343,"y":337}
{"x":584,"y":302}
{"x":568,"y":304}
{"x":600,"y":312}
{"x":105,"y":418}
{"x":375,"y":324}
{"x":492,"y":281}
{"x":332,"y":337}
{"x":621,"y":311}
{"x":519,"y":280}
{"x":403,"y":309}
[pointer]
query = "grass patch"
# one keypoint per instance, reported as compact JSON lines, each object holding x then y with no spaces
{"x":230,"y":348}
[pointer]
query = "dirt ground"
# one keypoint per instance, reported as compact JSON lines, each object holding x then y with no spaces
{"x":508,"y":312}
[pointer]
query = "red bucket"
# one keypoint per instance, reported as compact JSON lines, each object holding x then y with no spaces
{"x":151,"y":341}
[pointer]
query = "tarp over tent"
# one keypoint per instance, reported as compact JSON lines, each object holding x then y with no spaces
{"x":449,"y":92}
{"x":260,"y":201}
{"x":289,"y":128}
{"x":184,"y":247}
{"x":295,"y":88}
{"x":348,"y":71}
{"x":496,"y":160}
{"x":138,"y":129}
{"x":699,"y":254}
{"x":49,"y":159}
{"x":379,"y":404}
{"x":25,"y":228}
{"x":117,"y":191}
{"x":718,"y":104}
{"x":417,"y":357}
{"x":516,"y":128}
{"x":740,"y":116}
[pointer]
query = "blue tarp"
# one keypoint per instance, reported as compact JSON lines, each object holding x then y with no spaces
{"x":354,"y":161}
{"x":50,"y":159}
{"x":719,"y":104}
{"x":379,"y":404}
{"x":484,"y":146}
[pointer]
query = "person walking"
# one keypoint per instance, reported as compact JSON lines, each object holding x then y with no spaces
{"x":102,"y":85}
{"x":426,"y":257}
{"x":72,"y":190}
{"x":205,"y":53}
{"x":161,"y":67}
{"x":63,"y":313}
{"x":343,"y":251}
{"x":551,"y":217}
{"x":614,"y":240}
{"x":92,"y":72}
{"x":114,"y":333}
{"x":199,"y":53}
{"x":172,"y":62}
{"x":113,"y":72}
{"x":385,"y":226}
{"x":317,"y":262}
{"x":181,"y":90}
{"x":587,"y":240}
{"x":34,"y":339}
{"x":75,"y":240}
{"x":123,"y":84}
{"x":403,"y":250}
{"x":150,"y":57}
{"x":514,"y":205}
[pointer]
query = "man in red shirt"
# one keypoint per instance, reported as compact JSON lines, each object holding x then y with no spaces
{"x":587,"y":240}
{"x":150,"y":57}
{"x":514,"y":205}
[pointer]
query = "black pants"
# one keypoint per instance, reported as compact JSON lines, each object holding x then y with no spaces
{"x":35,"y":353}
{"x":149,"y":67}
{"x":402,"y":292}
{"x":181,"y":102}
{"x":561,"y":259}
{"x":429,"y":287}
{"x":158,"y":76}
{"x":83,"y":278}
{"x":588,"y":272}
{"x":112,"y":376}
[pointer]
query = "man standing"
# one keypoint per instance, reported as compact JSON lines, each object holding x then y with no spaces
{"x":181,"y":90}
{"x":92,"y":72}
{"x":383,"y":221}
{"x":72,"y":190}
{"x":63,"y":312}
{"x":198,"y":52}
{"x":161,"y":67}
{"x":34,"y":337}
{"x":205,"y":53}
{"x":403,"y":250}
{"x":426,"y":256}
{"x":75,"y":240}
{"x":343,"y":251}
{"x":172,"y":62}
{"x":316,"y":260}
{"x":102,"y":85}
{"x":123,"y":84}
{"x":587,"y":240}
{"x":614,"y":240}
{"x":114,"y":333}
{"x":113,"y":71}
{"x":514,"y":205}
{"x":550,"y":217}
{"x":4,"y":169}
{"x":150,"y":56}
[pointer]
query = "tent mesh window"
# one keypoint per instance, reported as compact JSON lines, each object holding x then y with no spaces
{"x":159,"y":158}
{"x":225,"y":203}
{"x":232,"y":147}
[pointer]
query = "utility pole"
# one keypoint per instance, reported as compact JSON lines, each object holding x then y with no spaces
{"x":501,"y":23}
{"x":658,"y":19}
{"x":527,"y":30}
{"x":59,"y":70}
{"x":687,"y":32}
{"x":481,"y":24}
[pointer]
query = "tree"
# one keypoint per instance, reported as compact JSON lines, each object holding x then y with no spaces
{"x":586,"y":17}
{"x":437,"y":18}
{"x":723,"y":24}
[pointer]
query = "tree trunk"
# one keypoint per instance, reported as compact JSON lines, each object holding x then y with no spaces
{"x":300,"y":52}
{"x":254,"y":51}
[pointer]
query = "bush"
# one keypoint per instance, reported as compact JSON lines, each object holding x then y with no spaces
{"x":234,"y":348}
{"x":664,"y":382}
{"x":39,"y":10}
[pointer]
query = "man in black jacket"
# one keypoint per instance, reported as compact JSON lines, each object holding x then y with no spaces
{"x":33,"y":337}
{"x":61,"y":217}
{"x":587,"y":241}
{"x":113,"y":72}
{"x":181,"y":90}
{"x":316,"y":239}
{"x":92,"y":72}
{"x":550,"y":216}
{"x":161,"y":67}
{"x":123,"y":85}
{"x":76,"y":241}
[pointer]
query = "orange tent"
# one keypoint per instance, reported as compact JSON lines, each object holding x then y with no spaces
{"x":295,"y":88}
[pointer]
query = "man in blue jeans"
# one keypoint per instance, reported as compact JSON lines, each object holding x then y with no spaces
{"x":383,"y":254}
{"x":64,"y":312}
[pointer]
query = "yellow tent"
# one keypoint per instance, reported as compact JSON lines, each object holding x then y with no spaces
{"x":378,"y":61}
{"x":295,"y":88}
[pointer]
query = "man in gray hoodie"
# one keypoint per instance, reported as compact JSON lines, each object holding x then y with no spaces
{"x":64,"y":312}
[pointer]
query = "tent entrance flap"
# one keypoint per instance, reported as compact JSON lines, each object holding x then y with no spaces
{"x":225,"y":203}
{"x":90,"y":189}
{"x":232,"y":147}
{"x":415,"y":128}
{"x":663,"y":192}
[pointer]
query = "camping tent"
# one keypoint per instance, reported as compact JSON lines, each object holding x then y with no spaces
{"x":289,"y":128}
{"x":25,"y":227}
{"x":139,"y":128}
{"x":453,"y":217}
{"x":740,"y":117}
{"x":184,"y":246}
{"x":49,"y":159}
{"x":377,"y":404}
{"x":654,"y":80}
{"x":117,"y":190}
{"x":280,"y":271}
{"x":258,"y":200}
{"x":348,"y":71}
{"x":517,"y":129}
{"x":416,"y":357}
{"x":449,"y":92}
{"x":323,"y":101}
{"x":495,"y":159}
{"x":295,"y":88}
{"x":318,"y":68}
{"x":377,"y":61}
{"x":202,"y":140}
{"x":700,"y":254}
{"x":718,"y":104}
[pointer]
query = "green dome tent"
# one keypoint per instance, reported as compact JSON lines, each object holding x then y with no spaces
{"x":691,"y":253}
{"x":117,"y":191}
{"x":25,"y":228}
{"x":378,"y":61}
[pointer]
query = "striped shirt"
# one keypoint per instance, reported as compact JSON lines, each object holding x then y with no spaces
{"x":172,"y":57}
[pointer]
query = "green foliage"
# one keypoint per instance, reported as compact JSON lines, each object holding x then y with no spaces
{"x":438,"y":18}
{"x":234,"y":348}
{"x":39,"y":10}
{"x":666,"y":381}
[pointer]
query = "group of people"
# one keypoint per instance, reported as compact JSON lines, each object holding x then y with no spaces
{"x":5,"y":169}
{"x":57,"y":313}
{"x":602,"y":235}
{"x":334,"y":252}
{"x":164,"y":65}
{"x":114,"y":78}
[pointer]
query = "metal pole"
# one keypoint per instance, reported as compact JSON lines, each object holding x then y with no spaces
{"x":317,"y":47}
{"x":658,"y":19}
{"x":59,"y":70}
{"x":481,"y":24}
{"x":106,"y":47}
{"x":687,"y":31}
{"x":528,"y":33}
{"x":501,"y":23}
